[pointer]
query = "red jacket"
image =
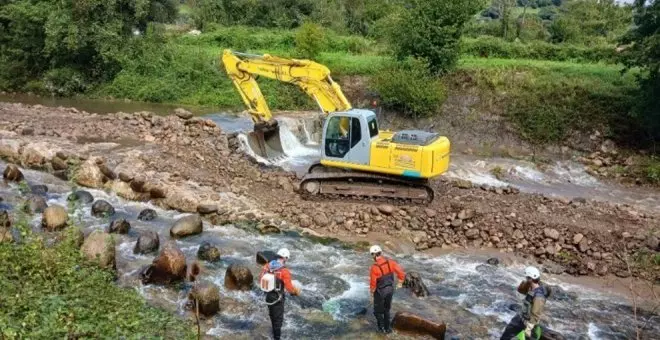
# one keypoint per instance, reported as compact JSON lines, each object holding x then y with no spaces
{"x":283,"y":274}
{"x":376,"y":273}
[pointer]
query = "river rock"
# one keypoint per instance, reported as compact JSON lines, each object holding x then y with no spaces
{"x":12,"y":173}
{"x":238,"y":277}
{"x":463,"y":184}
{"x":207,"y":295}
{"x":147,"y":215}
{"x":169,"y":266}
{"x":39,"y":189}
{"x":208,"y":252}
{"x":493,"y":261}
{"x":99,"y":247}
{"x":205,"y":209}
{"x":123,"y":190}
{"x":551,"y":233}
{"x":321,"y":219}
{"x":89,"y":174}
{"x":408,"y":322}
{"x":107,"y":172}
{"x":80,"y":196}
{"x":577,"y":238}
{"x":120,"y":226}
{"x":54,"y":218}
{"x":413,"y":281}
{"x":35,"y":204}
{"x":466,"y":214}
{"x":267,"y":229}
{"x":186,"y":226}
{"x":265,"y":256}
{"x":584,"y":245}
{"x":472,"y":233}
{"x":58,"y":164}
{"x":386,"y":209}
{"x":183,"y":113}
{"x":653,"y":243}
{"x":147,"y":242}
{"x":102,"y":208}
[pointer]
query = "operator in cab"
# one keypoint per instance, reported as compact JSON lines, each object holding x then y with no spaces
{"x":528,"y":318}
{"x":381,"y":286}
{"x":274,"y":279}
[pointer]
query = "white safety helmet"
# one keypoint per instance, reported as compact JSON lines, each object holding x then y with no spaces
{"x":375,"y":250}
{"x":284,"y":253}
{"x":532,"y":272}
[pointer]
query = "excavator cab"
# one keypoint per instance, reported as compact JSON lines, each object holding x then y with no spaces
{"x":347,"y":136}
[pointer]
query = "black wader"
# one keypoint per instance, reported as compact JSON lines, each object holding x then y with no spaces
{"x":383,"y":299}
{"x":275,"y":301}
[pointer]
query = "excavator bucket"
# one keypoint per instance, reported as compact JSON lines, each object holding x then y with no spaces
{"x":266,"y":142}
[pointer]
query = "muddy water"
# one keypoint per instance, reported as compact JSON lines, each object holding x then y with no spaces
{"x":300,"y":140}
{"x":475,"y":299}
{"x":100,"y":106}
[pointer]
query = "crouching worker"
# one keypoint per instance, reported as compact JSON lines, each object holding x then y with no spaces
{"x":274,"y":279}
{"x":527,"y":319}
{"x":381,"y":285}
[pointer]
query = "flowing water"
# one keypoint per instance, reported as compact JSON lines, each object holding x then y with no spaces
{"x":473,"y":298}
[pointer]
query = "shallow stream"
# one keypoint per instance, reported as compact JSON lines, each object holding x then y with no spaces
{"x":475,"y":299}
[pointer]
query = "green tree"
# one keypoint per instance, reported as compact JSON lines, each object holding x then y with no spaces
{"x":643,"y":51}
{"x":431,"y":30}
{"x":67,"y":39}
{"x":310,"y":40}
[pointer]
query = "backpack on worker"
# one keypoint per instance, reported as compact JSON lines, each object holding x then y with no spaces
{"x":385,"y":283}
{"x":269,"y":281}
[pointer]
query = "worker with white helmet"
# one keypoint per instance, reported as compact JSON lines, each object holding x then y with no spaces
{"x":275,"y":278}
{"x":527,"y":319}
{"x":381,"y":285}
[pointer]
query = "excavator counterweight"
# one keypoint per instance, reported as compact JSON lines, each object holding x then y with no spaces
{"x":357,"y":159}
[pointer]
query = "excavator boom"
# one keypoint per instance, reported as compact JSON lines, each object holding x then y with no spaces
{"x":313,"y":78}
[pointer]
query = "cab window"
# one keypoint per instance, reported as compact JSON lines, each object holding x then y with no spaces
{"x":337,"y":141}
{"x":373,"y":127}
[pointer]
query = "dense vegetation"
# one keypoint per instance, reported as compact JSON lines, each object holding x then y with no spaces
{"x":561,"y":59}
{"x":49,"y":292}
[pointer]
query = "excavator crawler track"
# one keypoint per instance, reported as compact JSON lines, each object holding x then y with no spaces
{"x":359,"y":185}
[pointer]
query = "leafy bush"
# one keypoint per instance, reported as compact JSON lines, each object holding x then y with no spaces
{"x":64,"y":82}
{"x":49,"y":292}
{"x":653,"y":170}
{"x":431,"y":29}
{"x":310,"y":40}
{"x":410,"y":87}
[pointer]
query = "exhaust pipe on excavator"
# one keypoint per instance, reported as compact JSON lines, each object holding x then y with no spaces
{"x":265,"y":140}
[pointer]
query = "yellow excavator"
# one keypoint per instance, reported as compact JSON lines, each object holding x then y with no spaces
{"x":357,"y":159}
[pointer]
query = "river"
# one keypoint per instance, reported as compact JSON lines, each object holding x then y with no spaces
{"x":475,"y":299}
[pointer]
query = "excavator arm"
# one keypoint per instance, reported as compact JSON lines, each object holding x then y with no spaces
{"x":313,"y":78}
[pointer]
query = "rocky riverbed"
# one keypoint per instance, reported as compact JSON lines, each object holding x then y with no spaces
{"x":189,"y":164}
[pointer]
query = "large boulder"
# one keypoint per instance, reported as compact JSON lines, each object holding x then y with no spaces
{"x":80,"y":196}
{"x":35,"y":204}
{"x":120,"y":226}
{"x":265,"y":256}
{"x":147,"y":215}
{"x":39,"y":189}
{"x":407,"y":322}
{"x":186,"y":226}
{"x":208,"y":252}
{"x":207,"y":295}
{"x":12,"y":173}
{"x":147,"y":242}
{"x":89,"y":174}
{"x":99,"y":247}
{"x":102,"y":208}
{"x":183,"y":113}
{"x":413,"y":281}
{"x":169,"y":266}
{"x":238,"y":277}
{"x":54,"y":218}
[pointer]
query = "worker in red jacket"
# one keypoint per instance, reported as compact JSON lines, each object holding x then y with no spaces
{"x":280,"y":278}
{"x":381,"y":286}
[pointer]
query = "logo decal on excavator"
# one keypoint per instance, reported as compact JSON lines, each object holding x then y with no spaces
{"x":404,"y":161}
